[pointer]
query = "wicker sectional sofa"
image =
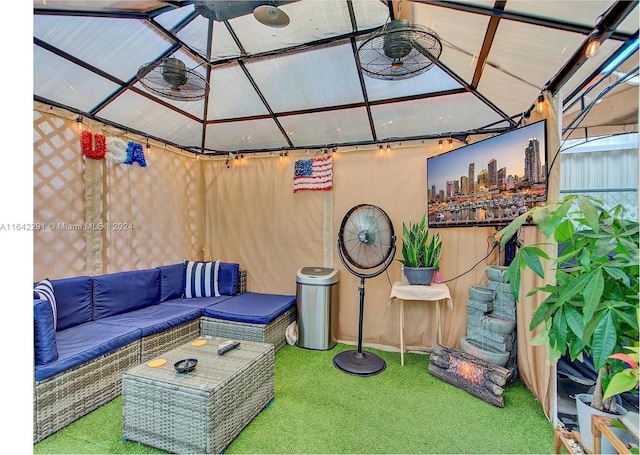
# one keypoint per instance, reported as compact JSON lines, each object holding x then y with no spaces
{"x":103,"y":325}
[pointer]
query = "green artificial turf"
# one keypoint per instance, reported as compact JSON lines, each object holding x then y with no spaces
{"x":319,"y":409}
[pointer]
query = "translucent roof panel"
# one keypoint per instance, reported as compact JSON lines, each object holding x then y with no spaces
{"x":231,"y":95}
{"x":66,"y":83}
{"x":369,"y":14}
{"x":246,"y":135}
{"x":506,"y":92}
{"x":173,"y":17}
{"x":117,"y":46}
{"x":516,"y":45}
{"x":461,"y":34}
{"x":434,"y":80}
{"x":324,"y":76}
{"x":310,"y":20}
{"x":586,"y":15}
{"x":439,"y":115}
{"x":196,"y":34}
{"x":132,"y":6}
{"x":150,"y":117}
{"x":334,"y":127}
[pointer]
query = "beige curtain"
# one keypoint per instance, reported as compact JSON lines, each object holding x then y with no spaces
{"x":254,"y":218}
{"x":245,"y":211}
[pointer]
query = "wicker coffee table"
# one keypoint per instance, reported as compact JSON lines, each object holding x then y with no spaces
{"x":201,"y":411}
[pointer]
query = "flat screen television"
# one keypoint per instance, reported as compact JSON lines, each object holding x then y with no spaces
{"x":491,"y":182}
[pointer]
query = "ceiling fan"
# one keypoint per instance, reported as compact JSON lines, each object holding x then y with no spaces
{"x":170,"y":78}
{"x":399,"y":50}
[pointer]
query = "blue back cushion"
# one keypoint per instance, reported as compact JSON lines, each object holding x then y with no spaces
{"x":44,"y":290}
{"x":44,"y":333}
{"x":73,"y":301}
{"x":117,"y":293}
{"x":228,"y":277}
{"x":171,"y":281}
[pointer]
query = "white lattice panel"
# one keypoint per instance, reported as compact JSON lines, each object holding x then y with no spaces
{"x":151,"y":212}
{"x":142,"y":218}
{"x":58,"y":198}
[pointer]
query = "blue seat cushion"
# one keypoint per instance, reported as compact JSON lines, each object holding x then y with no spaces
{"x":44,"y":333}
{"x":251,"y":307}
{"x":171,"y":281}
{"x":118,"y":293}
{"x":85,"y":342}
{"x":199,"y":302}
{"x":156,"y":318}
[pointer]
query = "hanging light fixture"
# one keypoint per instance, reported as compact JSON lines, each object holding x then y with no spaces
{"x":79,"y":120}
{"x":271,"y":16}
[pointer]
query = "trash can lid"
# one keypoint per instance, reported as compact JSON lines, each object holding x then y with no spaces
{"x":317,"y":275}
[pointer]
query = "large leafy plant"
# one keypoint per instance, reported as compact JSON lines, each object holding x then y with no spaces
{"x":418,"y":250}
{"x":591,"y":304}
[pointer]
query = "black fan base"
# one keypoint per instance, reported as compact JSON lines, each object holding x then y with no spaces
{"x":359,"y":363}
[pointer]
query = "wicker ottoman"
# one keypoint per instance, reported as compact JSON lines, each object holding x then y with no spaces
{"x":201,"y":411}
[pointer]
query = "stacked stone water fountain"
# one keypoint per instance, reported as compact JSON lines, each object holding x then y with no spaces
{"x":491,"y":322}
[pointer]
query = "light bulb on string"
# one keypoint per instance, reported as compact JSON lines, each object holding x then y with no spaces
{"x":540,"y":104}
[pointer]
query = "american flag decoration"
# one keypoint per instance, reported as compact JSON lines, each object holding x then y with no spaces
{"x":315,"y":174}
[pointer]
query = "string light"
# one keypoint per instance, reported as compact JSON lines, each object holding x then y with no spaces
{"x":79,"y":120}
{"x":440,"y":144}
{"x":148,"y":146}
{"x":540,"y":104}
{"x":450,"y":143}
{"x":593,"y":46}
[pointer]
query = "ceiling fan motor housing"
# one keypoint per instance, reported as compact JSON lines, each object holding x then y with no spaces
{"x":397,"y":39}
{"x":174,"y":72}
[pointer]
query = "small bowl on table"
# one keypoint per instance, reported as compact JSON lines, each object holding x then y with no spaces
{"x":185,"y":365}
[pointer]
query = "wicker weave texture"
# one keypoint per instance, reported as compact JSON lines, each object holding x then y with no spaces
{"x":242,"y":281}
{"x":64,"y":398}
{"x":154,"y":345}
{"x":273,"y":333}
{"x":201,"y":411}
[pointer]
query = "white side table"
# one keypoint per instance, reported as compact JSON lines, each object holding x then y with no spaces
{"x":434,"y":293}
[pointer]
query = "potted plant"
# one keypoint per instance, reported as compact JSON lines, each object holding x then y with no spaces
{"x":591,"y":303}
{"x":420,"y":253}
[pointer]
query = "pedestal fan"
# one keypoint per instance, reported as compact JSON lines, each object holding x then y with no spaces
{"x":366,"y":246}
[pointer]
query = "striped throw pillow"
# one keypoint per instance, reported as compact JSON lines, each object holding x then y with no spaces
{"x":201,"y":279}
{"x":44,"y":290}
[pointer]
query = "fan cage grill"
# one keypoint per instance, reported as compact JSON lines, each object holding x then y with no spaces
{"x":399,"y":51}
{"x":173,"y":81}
{"x":366,"y":236}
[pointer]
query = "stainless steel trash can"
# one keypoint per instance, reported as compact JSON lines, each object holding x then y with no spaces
{"x":317,"y":301}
